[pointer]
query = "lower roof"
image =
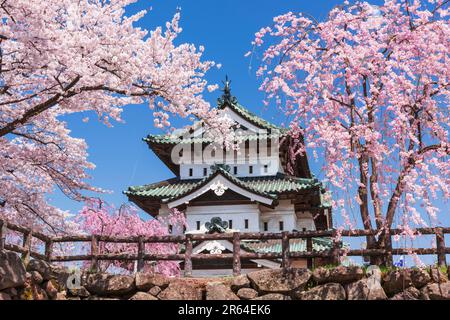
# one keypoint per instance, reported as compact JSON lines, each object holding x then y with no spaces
{"x":269,"y":186}
{"x":295,"y":245}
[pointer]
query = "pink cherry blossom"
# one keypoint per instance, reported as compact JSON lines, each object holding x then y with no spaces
{"x":59,"y":57}
{"x":369,"y":89}
{"x":100,"y":218}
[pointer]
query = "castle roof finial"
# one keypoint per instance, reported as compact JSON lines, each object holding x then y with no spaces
{"x":227,"y":87}
{"x":227,"y":97}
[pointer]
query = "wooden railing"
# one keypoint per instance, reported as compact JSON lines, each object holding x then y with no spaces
{"x":335,"y":253}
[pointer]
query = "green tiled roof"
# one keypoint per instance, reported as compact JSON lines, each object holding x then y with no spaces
{"x":295,"y":245}
{"x":269,"y":186}
{"x":249,"y":116}
{"x":174,"y":139}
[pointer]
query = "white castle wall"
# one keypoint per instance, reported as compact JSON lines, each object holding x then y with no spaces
{"x":254,"y":213}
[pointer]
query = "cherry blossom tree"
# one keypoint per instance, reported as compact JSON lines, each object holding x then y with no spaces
{"x":59,"y":57}
{"x":368,"y":88}
{"x":100,"y":218}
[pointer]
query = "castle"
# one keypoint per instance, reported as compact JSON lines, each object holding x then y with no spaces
{"x":260,"y":187}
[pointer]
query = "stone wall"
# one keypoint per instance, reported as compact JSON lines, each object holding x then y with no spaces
{"x":42,"y":281}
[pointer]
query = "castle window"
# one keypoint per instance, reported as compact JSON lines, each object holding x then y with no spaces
{"x":170,"y":228}
{"x":198,"y":225}
{"x":230,"y":224}
{"x":191,"y":172}
{"x":266,"y":226}
{"x":250,"y":169}
{"x":281,"y":225}
{"x":235,"y":169}
{"x":246,"y":223}
{"x":266,"y":168}
{"x":205,"y":172}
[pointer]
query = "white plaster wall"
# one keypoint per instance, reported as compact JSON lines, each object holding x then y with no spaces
{"x":256,"y":214}
{"x":202,"y":160}
{"x":283,"y":212}
{"x":237,"y":213}
{"x":243,"y":170}
{"x":305,"y":220}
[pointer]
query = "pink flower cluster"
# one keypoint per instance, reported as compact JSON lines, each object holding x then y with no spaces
{"x":369,"y":89}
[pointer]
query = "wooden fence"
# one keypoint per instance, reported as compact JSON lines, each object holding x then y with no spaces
{"x":335,"y":253}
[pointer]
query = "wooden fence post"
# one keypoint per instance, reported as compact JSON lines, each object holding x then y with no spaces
{"x":3,"y":231}
{"x":285,"y":251}
{"x":335,"y":251}
{"x":94,"y":252}
{"x":188,"y":256}
{"x":388,"y":248}
{"x":236,"y":254}
{"x":27,"y":246}
{"x":48,"y":250}
{"x":309,"y":249}
{"x":141,"y":252}
{"x":440,"y":246}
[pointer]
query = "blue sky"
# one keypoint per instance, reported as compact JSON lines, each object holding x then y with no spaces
{"x":226,"y":29}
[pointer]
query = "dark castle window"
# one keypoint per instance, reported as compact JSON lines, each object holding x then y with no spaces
{"x":205,"y":172}
{"x":198,"y":225}
{"x":250,"y":169}
{"x":246,"y":223}
{"x":266,"y":226}
{"x":191,"y":172}
{"x":235,"y":170}
{"x":281,"y":225}
{"x":266,"y":168}
{"x":230,"y":224}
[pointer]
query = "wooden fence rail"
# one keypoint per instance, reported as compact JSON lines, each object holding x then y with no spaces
{"x":335,"y":253}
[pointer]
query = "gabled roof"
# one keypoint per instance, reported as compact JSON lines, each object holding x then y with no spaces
{"x":249,"y":116}
{"x":268,"y":186}
{"x":171,"y":191}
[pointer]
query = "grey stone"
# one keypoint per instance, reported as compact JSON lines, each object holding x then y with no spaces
{"x":436,"y":291}
{"x":96,"y":283}
{"x":273,"y":296}
{"x":119,"y":285}
{"x":61,"y":296}
{"x":12,"y":270}
{"x":51,"y":288}
{"x":410,"y":293}
{"x":239,"y":282}
{"x":247,"y":293}
{"x":43,"y":267}
{"x":4,"y":296}
{"x":160,"y":280}
{"x":154,"y":291}
{"x":437,"y":275}
{"x":142,"y":296}
{"x":328,"y":291}
{"x":143,"y":281}
{"x":78,"y":292}
{"x":36,"y":277}
{"x":420,"y":278}
{"x":178,"y":290}
{"x":320,"y":275}
{"x":219,"y":291}
{"x":365,"y":289}
{"x":275,"y":281}
{"x":396,"y":281}
{"x":339,"y":274}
